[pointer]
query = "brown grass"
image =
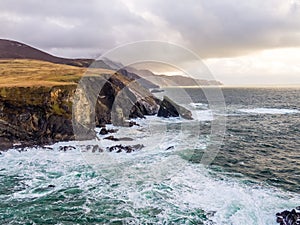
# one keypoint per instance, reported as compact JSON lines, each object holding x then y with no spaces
{"x":27,"y":73}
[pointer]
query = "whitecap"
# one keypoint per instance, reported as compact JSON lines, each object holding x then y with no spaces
{"x":269,"y":111}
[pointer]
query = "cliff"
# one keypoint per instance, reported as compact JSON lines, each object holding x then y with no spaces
{"x":36,"y":101}
{"x":35,"y":115}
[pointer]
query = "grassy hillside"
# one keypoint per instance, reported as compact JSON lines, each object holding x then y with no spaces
{"x":28,"y":73}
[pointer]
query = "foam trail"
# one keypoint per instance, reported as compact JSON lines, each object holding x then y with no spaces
{"x":269,"y":111}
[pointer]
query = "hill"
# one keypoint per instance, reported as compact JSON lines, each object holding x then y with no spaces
{"x":13,"y":50}
{"x":175,"y":80}
{"x":16,"y":50}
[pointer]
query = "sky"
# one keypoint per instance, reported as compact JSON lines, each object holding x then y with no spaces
{"x":250,"y":42}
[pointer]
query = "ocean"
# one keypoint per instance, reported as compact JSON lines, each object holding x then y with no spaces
{"x":254,"y":175}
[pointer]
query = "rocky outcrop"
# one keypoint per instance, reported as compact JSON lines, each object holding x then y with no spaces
{"x":125,"y":149}
{"x":169,"y":108}
{"x":289,"y":217}
{"x":109,"y":99}
{"x":44,"y":115}
{"x":105,"y":131}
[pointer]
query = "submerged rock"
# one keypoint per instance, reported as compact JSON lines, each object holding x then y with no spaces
{"x":105,"y":131}
{"x":289,"y":217}
{"x":157,"y":90}
{"x":91,"y":148}
{"x":126,"y":149}
{"x":133,"y":123}
{"x":169,"y":108}
{"x":170,"y":147}
{"x":112,"y":138}
{"x":66,"y":148}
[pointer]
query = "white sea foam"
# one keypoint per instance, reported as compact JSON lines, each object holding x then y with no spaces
{"x":198,"y":105}
{"x":139,"y":176}
{"x":190,"y":188}
{"x":269,"y":111}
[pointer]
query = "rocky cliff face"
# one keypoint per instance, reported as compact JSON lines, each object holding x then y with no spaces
{"x":35,"y":115}
{"x":43,"y":115}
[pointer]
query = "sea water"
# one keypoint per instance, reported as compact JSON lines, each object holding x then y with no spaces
{"x":255,"y":174}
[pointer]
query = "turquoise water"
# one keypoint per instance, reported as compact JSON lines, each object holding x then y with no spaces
{"x":52,"y":187}
{"x":250,"y":180}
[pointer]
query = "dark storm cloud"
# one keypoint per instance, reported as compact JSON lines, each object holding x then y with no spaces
{"x":211,"y":28}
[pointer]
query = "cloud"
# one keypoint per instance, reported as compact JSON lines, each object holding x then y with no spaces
{"x":90,"y":26}
{"x":230,"y":27}
{"x":224,"y":31}
{"x":210,"y":28}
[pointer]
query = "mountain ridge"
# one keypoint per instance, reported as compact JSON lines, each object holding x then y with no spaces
{"x":16,"y":50}
{"x":10,"y":49}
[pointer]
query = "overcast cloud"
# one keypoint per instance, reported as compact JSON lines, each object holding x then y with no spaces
{"x":212,"y":29}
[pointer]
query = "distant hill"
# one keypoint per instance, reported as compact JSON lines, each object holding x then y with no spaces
{"x":175,"y":80}
{"x":16,"y":50}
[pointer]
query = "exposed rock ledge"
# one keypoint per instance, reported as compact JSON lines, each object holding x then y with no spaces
{"x":169,"y":108}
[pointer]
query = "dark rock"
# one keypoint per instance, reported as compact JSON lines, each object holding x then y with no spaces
{"x":51,"y":186}
{"x":170,"y":147}
{"x":133,"y":123}
{"x":96,"y":148}
{"x":126,"y":149}
{"x":5,"y":143}
{"x":112,"y":138}
{"x":125,"y":139}
{"x":47,"y":148}
{"x":138,"y":146}
{"x":92,"y":148}
{"x":105,"y":131}
{"x":66,"y":148}
{"x":168,"y":108}
{"x":288,"y":217}
{"x":156,"y":91}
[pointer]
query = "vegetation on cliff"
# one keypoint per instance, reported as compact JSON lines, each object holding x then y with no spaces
{"x":36,"y":100}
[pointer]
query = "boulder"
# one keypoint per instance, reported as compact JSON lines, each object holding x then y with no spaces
{"x":105,"y":131}
{"x":169,"y":108}
{"x":288,"y":217}
{"x":66,"y":148}
{"x":126,"y":149}
{"x":112,"y":138}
